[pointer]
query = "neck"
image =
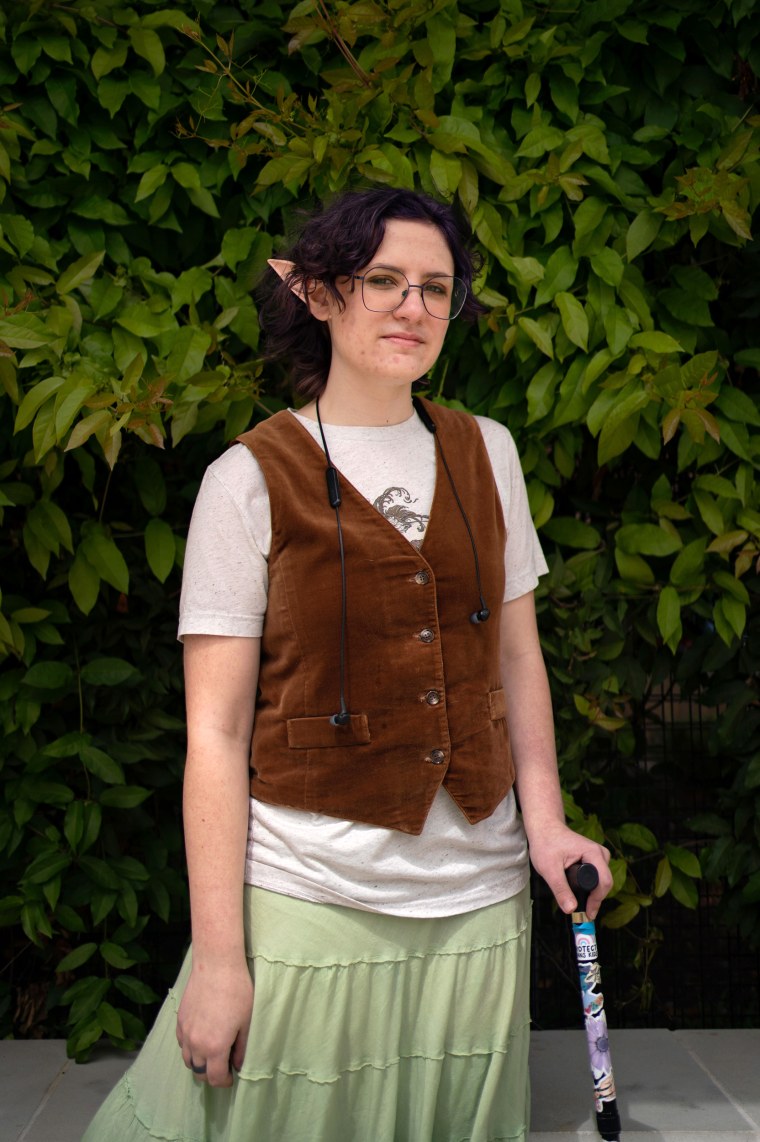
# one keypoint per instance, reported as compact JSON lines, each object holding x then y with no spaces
{"x":366,"y":409}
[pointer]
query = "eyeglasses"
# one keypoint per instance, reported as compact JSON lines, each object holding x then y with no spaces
{"x":385,"y":289}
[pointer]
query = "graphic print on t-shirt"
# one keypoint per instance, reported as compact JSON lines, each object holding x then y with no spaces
{"x":411,"y":524}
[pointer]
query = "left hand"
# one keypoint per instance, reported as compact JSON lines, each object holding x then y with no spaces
{"x":555,"y":850}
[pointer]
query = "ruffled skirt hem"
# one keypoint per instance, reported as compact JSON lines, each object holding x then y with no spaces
{"x":365,"y":1028}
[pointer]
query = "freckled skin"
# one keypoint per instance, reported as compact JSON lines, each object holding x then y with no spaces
{"x":376,"y":356}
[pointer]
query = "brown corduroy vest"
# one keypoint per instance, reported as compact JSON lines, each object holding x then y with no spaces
{"x":422,"y":681}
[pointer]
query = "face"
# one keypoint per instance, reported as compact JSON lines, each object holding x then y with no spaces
{"x":393,"y":348}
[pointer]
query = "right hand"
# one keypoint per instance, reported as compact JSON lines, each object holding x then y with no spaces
{"x":213,"y":1021}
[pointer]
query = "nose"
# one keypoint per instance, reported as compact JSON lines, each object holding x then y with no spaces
{"x":412,"y":303}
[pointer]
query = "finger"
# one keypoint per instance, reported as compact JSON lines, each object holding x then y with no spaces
{"x":219,"y":1072}
{"x":563,"y":893}
{"x":238,"y":1049}
{"x":199,"y":1070}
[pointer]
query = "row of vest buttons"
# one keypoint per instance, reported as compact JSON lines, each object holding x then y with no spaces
{"x":436,"y":756}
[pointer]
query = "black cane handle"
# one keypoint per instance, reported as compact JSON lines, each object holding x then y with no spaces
{"x":583,"y":879}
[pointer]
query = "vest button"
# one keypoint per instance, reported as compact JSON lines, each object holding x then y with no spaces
{"x":427,"y":635}
{"x":437,"y":757}
{"x":422,"y":577}
{"x":432,"y":697}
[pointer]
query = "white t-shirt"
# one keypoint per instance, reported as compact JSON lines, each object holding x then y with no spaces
{"x":452,"y":866}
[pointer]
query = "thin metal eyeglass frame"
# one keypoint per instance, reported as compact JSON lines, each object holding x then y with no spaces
{"x":413,"y":285}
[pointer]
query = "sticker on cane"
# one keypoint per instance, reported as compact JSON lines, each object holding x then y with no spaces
{"x":585,"y":942}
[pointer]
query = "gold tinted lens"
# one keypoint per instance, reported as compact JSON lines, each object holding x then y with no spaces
{"x":383,"y":290}
{"x":444,"y":297}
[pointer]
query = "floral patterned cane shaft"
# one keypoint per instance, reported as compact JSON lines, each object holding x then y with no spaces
{"x":593,"y":1008}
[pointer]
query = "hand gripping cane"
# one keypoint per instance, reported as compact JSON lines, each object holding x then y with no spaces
{"x":583,"y":879}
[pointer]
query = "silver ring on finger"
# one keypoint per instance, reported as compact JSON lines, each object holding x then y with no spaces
{"x":198,"y":1070}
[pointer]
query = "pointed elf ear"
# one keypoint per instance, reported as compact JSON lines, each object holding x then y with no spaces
{"x":282,"y":268}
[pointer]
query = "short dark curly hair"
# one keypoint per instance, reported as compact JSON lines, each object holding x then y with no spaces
{"x":341,"y":239}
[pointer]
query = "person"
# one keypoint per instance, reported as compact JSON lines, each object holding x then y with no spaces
{"x":359,"y":629}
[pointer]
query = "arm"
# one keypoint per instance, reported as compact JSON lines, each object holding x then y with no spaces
{"x":221,"y":675}
{"x":553,"y":846}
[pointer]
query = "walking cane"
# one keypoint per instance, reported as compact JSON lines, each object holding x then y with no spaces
{"x":583,"y":879}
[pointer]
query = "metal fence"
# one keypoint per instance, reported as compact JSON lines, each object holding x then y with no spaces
{"x":676,"y":968}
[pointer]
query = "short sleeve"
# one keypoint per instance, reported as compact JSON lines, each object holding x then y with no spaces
{"x":523,"y":558}
{"x":225,"y":577}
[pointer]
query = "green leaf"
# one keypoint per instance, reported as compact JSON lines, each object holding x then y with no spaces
{"x":110,"y":1020}
{"x":151,"y":180}
{"x":188,"y":353}
{"x":639,"y":836}
{"x":559,"y":275}
{"x":684,"y":889}
{"x":445,"y":171}
{"x":540,"y":140}
{"x":663,"y":877}
{"x":160,"y":548}
{"x":46,"y":867}
{"x":151,"y":486}
{"x":618,"y":328}
{"x":688,"y":567}
{"x":48,"y":675}
{"x":738,"y":405}
{"x":286,"y":170}
{"x":656,"y":342}
{"x":76,"y":958}
{"x":102,"y":553}
{"x":620,"y":427}
{"x":143,"y":321}
{"x":608,"y":265}
{"x":19,"y":231}
{"x":587,"y":220}
{"x":646,"y":539}
{"x":34,"y":399}
{"x":105,"y":60}
{"x":101,"y":765}
{"x":540,"y":391}
{"x":574,"y":319}
{"x":642,"y":233}
{"x":710,"y":824}
{"x":135,"y":989}
{"x":146,"y":43}
{"x":171,"y":18}
{"x":709,"y":510}
{"x":124,"y":797}
{"x":538,"y":335}
{"x":108,"y":672}
{"x":99,"y":872}
{"x":115,"y":955}
{"x":683,"y":859}
{"x":570,"y":532}
{"x":84,"y":582}
{"x":733,"y":586}
{"x":669,"y":617}
{"x":80,"y":271}
{"x":621,"y":915}
{"x":633,"y":568}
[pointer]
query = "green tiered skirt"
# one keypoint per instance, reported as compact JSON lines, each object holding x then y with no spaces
{"x":365,"y":1028}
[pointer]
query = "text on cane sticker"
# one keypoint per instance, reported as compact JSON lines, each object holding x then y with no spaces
{"x":585,"y":947}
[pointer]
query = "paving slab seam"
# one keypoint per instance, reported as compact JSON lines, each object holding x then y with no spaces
{"x":723,"y":1090}
{"x":44,"y":1101}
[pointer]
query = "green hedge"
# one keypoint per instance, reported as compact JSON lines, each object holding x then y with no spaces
{"x":606,"y":153}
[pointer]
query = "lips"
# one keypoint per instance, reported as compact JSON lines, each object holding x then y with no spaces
{"x":403,"y":338}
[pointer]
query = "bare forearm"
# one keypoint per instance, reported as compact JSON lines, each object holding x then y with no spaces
{"x":553,"y":846}
{"x":216,"y":826}
{"x":220,"y":682}
{"x":531,"y":729}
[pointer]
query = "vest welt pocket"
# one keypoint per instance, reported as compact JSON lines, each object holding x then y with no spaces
{"x":497,"y":705}
{"x":320,"y":733}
